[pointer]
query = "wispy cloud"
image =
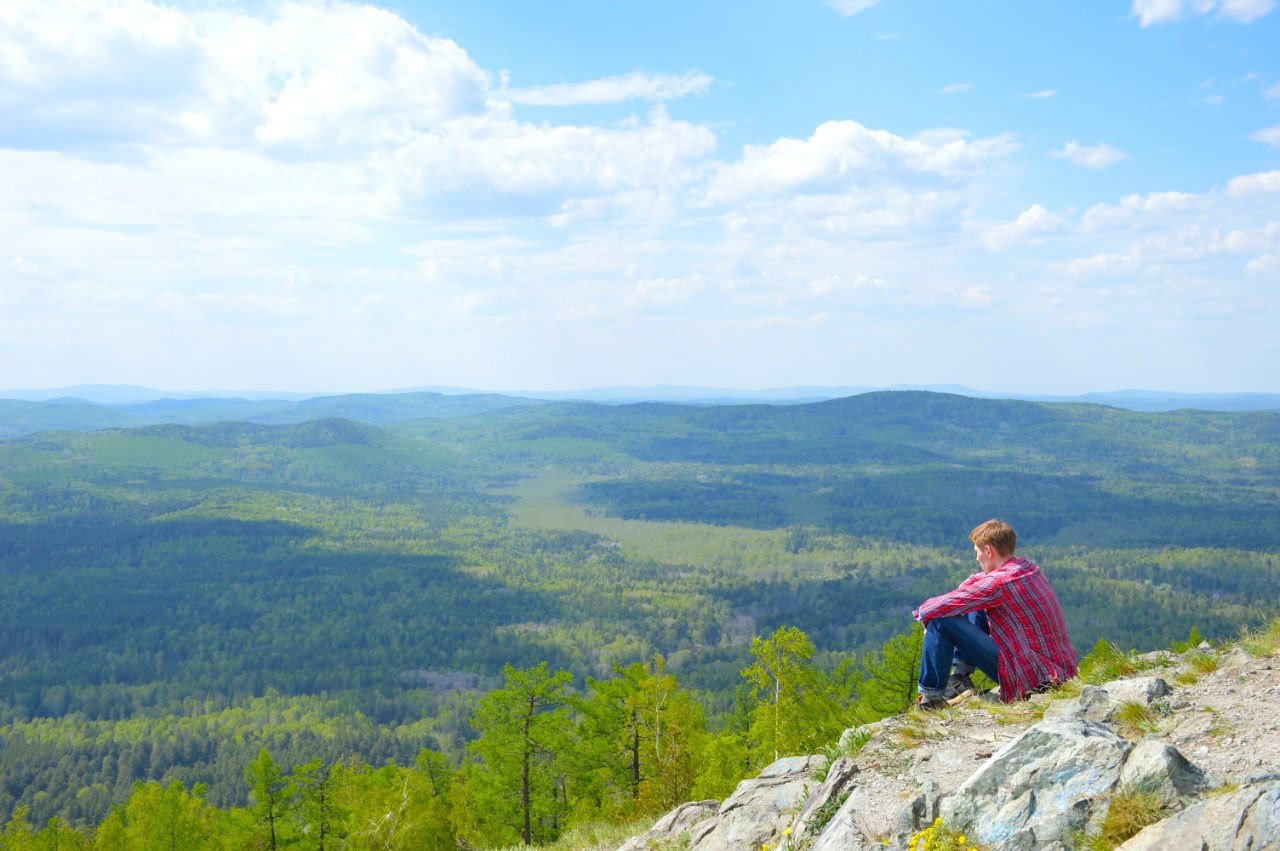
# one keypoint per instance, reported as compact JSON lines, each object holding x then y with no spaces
{"x":633,"y":86}
{"x":851,"y":7}
{"x":957,"y":88}
{"x":1267,"y":135}
{"x":1043,"y":94}
{"x":1097,"y":157}
{"x":1150,"y":12}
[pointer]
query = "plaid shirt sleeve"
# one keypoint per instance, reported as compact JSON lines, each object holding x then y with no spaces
{"x":979,"y":591}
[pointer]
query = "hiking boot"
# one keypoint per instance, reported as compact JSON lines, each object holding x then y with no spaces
{"x":931,"y":702}
{"x":959,"y":689}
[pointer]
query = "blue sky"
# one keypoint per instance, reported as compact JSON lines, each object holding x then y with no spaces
{"x":1021,"y":197}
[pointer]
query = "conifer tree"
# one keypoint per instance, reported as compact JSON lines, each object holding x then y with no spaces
{"x":518,"y":791}
{"x":892,"y":675}
{"x":639,"y":740}
{"x":269,"y":791}
{"x":317,"y":808}
{"x":796,"y":710}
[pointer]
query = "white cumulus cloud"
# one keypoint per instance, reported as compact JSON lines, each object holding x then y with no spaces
{"x":1249,"y":185}
{"x":1035,"y":221}
{"x":1098,"y":156}
{"x":1138,"y":211}
{"x":843,"y":154}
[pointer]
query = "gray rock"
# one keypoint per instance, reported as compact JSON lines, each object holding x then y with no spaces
{"x":920,"y":813}
{"x":1093,"y":704}
{"x":1158,"y":657}
{"x":1247,"y":819}
{"x":848,"y":829}
{"x":1099,"y":703}
{"x":1161,"y":768}
{"x":1144,"y":690}
{"x":840,"y":778}
{"x":1041,"y":787}
{"x":760,"y":809}
{"x":669,"y":828}
{"x":1235,"y":658}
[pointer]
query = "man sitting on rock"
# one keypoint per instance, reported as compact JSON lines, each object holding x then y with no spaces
{"x":1022,"y":641}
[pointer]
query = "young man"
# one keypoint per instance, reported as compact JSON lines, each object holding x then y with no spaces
{"x":1028,"y":647}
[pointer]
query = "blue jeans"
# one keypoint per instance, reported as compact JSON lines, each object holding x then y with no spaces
{"x":961,"y":640}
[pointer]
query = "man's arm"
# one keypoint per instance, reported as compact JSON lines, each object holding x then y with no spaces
{"x":977,"y":592}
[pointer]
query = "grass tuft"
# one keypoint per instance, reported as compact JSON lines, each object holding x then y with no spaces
{"x":1106,"y":662}
{"x":1129,"y":810}
{"x":1135,"y":719}
{"x":1202,"y":661}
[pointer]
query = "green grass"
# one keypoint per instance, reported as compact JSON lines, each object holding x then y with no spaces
{"x":596,"y":836}
{"x":1129,"y":810}
{"x":1105,"y":663}
{"x":1202,"y":661}
{"x":1136,"y":719}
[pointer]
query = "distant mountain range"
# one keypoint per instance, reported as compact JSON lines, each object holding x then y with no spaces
{"x":92,"y":407}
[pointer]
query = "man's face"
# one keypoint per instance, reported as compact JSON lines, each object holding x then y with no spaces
{"x":988,"y":558}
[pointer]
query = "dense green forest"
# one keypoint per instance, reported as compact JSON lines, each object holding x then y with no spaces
{"x":178,"y":597}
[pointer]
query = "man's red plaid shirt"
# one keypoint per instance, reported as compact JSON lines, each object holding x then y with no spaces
{"x":1026,"y":624}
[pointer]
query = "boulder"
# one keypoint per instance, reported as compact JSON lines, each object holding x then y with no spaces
{"x":1162,"y":768}
{"x":1040,"y":788}
{"x":1247,"y":819}
{"x":669,"y":829}
{"x":760,"y":809}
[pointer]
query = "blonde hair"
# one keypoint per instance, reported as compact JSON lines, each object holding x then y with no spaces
{"x":998,"y":534}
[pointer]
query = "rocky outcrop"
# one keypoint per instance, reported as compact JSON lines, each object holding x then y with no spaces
{"x":760,"y":811}
{"x":674,"y":827}
{"x":1247,"y":819}
{"x":1042,"y":787}
{"x":1014,"y":780}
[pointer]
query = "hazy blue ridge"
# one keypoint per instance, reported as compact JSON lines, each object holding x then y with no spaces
{"x":20,"y":417}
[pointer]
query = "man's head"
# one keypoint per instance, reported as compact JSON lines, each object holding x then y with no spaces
{"x":993,"y":543}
